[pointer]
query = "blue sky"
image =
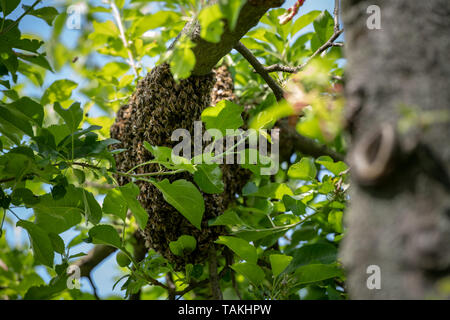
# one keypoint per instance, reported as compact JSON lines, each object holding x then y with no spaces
{"x":106,"y":273}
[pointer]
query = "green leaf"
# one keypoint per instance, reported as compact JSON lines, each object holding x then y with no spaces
{"x":130,"y":193}
{"x":163,"y":156}
{"x":48,"y":14}
{"x":323,"y":253}
{"x":303,"y":170}
{"x":229,"y":217}
{"x":279,"y":262}
{"x":211,"y":23}
{"x":153,"y":21}
{"x":105,"y":234}
{"x":30,"y":109}
{"x":317,"y":272}
{"x":8,"y":6}
{"x":59,"y":131}
{"x":26,"y":282}
{"x":270,"y":115}
{"x":241,"y":247}
{"x":39,"y":60}
{"x":185,"y":244}
{"x":271,"y":190}
{"x":60,"y":90}
{"x":23,"y":195}
{"x":115,"y":204}
{"x":251,"y":271}
{"x":334,"y":167}
{"x":45,"y":292}
{"x":333,"y":294}
{"x":40,"y":241}
{"x":8,"y":118}
{"x":231,"y":9}
{"x":107,"y":28}
{"x":309,"y":126}
{"x":224,"y":115}
{"x":335,"y":219}
{"x":294,"y":204}
{"x":324,"y":27}
{"x":119,"y":3}
{"x":57,"y":242}
{"x":72,"y":116}
{"x":60,"y":215}
{"x":81,"y":176}
{"x":209,"y":178}
{"x":304,"y":20}
{"x":92,"y":209}
{"x":184,"y":197}
{"x":16,"y":164}
{"x":182,"y":59}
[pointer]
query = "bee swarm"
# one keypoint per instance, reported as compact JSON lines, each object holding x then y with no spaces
{"x":158,"y":107}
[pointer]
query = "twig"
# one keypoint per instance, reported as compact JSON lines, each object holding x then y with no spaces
{"x":230,"y":260}
{"x":279,"y":67}
{"x":7,"y":179}
{"x":130,"y":175}
{"x":247,"y":54}
{"x":94,"y":288}
{"x":336,"y":16}
{"x":213,"y":276}
{"x":139,"y":252}
{"x":191,"y":287}
{"x":119,"y":23}
{"x":330,"y":43}
{"x":194,"y":284}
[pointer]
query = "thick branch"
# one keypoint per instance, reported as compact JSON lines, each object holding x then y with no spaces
{"x":207,"y":54}
{"x":93,"y":258}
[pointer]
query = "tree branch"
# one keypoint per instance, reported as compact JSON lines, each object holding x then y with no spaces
{"x":247,"y":54}
{"x":207,"y":54}
{"x":229,"y":258}
{"x":330,"y":43}
{"x":93,"y":258}
{"x":290,"y":139}
{"x":213,"y":276}
{"x":118,"y":19}
{"x":171,"y":287}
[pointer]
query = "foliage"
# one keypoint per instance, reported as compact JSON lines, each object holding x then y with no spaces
{"x":57,"y":158}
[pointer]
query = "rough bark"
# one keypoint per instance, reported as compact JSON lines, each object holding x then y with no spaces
{"x":399,"y":217}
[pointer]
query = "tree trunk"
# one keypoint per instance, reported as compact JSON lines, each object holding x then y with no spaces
{"x":398,"y":100}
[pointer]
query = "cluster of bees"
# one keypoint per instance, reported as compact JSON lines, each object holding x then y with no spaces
{"x":158,"y":107}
